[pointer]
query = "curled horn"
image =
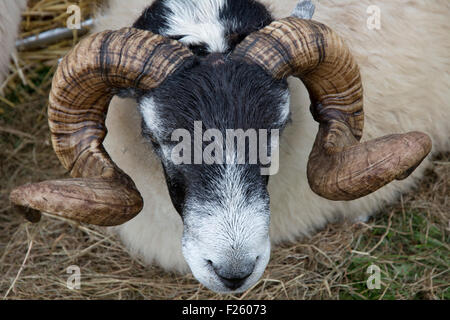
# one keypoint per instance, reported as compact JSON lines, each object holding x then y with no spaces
{"x":339,"y":166}
{"x":86,"y":80}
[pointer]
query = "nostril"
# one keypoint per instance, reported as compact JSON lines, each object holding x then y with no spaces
{"x":233,"y":283}
{"x":232,"y":279}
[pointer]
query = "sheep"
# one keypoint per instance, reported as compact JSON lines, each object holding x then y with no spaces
{"x":9,"y":24}
{"x":134,"y":139}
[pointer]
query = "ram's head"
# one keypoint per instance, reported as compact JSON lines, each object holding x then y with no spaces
{"x":224,"y":205}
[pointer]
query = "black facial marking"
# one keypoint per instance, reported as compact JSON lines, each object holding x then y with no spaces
{"x":200,"y":49}
{"x":243,"y":17}
{"x":222,"y":94}
{"x":176,"y":186}
{"x":154,"y":18}
{"x":226,"y":95}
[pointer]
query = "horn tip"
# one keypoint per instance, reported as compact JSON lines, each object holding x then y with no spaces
{"x":420,"y":146}
{"x":21,"y":203}
{"x":423,"y":139}
{"x":18,"y":195}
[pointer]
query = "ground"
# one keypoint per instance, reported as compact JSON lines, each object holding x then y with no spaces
{"x":408,"y":241}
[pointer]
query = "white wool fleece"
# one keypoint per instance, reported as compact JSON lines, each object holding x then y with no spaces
{"x":10,"y":17}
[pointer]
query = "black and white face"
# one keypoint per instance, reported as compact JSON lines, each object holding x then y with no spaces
{"x":224,"y":206}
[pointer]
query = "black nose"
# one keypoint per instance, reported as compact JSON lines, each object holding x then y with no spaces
{"x":233,"y":283}
{"x":233,"y":278}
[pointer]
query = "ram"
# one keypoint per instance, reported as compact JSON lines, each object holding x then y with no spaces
{"x":224,"y":64}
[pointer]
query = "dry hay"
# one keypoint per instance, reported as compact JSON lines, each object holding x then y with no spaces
{"x":409,"y":241}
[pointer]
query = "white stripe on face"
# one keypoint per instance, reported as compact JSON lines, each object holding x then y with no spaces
{"x":198,"y":21}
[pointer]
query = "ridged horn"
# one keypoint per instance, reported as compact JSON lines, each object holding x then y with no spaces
{"x":83,"y":86}
{"x":339,"y":167}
